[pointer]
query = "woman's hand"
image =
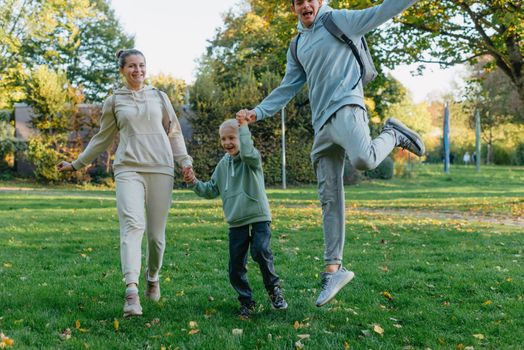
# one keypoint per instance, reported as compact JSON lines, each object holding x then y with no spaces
{"x":189,"y":175}
{"x":64,"y":166}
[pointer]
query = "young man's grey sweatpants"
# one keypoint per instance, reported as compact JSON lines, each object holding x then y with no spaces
{"x":347,"y":131}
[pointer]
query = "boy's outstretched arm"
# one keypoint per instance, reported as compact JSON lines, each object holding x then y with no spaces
{"x":207,"y":189}
{"x":248,"y":153}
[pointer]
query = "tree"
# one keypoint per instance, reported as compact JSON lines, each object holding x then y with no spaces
{"x":244,"y":62}
{"x":449,"y":32}
{"x":54,"y":102}
{"x":73,"y":36}
{"x":91,"y":63}
{"x":176,"y":89}
{"x":493,"y":96}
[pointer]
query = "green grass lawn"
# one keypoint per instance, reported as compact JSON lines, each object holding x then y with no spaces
{"x":422,"y":281}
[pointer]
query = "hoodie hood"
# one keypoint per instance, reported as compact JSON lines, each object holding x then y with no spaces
{"x":139,"y":98}
{"x":322,"y":10}
{"x":124,"y":90}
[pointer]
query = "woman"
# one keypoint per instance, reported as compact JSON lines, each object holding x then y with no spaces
{"x":150,"y":141}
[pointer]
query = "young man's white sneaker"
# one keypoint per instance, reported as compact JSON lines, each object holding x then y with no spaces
{"x":332,"y":283}
{"x":406,"y":138}
{"x":132,"y":304}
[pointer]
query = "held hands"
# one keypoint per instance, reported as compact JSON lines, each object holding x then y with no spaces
{"x":189,"y":175}
{"x":64,"y":166}
{"x":246,"y":116}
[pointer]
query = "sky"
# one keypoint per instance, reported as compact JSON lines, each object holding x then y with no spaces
{"x":173,"y":35}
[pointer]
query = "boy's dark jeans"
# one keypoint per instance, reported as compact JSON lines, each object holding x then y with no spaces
{"x":240,"y":238}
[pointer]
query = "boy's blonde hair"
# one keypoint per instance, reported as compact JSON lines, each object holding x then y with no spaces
{"x":228,"y":123}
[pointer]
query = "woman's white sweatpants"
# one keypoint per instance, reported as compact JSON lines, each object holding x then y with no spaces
{"x":143,"y":201}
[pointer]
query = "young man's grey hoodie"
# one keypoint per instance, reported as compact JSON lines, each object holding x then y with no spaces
{"x":331,"y":70}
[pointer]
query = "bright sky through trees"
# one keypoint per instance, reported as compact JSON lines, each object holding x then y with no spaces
{"x":174,"y":34}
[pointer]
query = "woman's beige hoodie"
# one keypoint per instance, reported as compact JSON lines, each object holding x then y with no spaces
{"x":144,"y":144}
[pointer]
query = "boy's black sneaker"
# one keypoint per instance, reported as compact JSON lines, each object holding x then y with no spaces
{"x":277,"y":299}
{"x":247,"y":309}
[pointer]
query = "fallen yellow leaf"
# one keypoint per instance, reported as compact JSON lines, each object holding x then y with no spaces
{"x":296,"y":325}
{"x":478,"y":336}
{"x":346,"y":345}
{"x":387,"y":295}
{"x":487,"y":302}
{"x":77,"y":324}
{"x":193,"y":331}
{"x":116,"y":324}
{"x":378,"y":329}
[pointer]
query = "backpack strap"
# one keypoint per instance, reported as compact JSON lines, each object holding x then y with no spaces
{"x":166,"y":121}
{"x":293,"y":47}
{"x":113,"y":104}
{"x":332,"y":28}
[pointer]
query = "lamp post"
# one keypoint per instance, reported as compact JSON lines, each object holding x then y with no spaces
{"x":283,"y":115}
{"x":446,"y":138}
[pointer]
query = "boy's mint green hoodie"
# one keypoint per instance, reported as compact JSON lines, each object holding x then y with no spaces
{"x":239,"y":181}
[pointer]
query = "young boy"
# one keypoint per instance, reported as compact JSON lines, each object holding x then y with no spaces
{"x":239,"y":180}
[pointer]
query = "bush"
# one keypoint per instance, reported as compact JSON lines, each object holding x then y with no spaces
{"x":501,"y":156}
{"x":9,"y":144}
{"x":352,"y":175}
{"x":45,"y":153}
{"x":518,"y":156}
{"x":384,"y":171}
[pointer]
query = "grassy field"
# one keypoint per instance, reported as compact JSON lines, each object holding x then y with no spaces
{"x":438,"y":261}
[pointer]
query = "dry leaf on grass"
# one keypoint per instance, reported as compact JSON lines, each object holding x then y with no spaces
{"x":299,"y":345}
{"x":378,"y":329}
{"x":193,"y":324}
{"x":387,"y":295}
{"x":66,"y":334}
{"x":193,"y":331}
{"x":237,"y":332}
{"x":116,"y":324}
{"x":479,"y":336}
{"x":5,"y":341}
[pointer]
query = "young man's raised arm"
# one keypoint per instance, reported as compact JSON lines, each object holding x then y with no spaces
{"x":360,"y":22}
{"x":293,"y":80}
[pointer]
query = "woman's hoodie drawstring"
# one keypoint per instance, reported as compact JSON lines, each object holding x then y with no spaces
{"x":138,"y":106}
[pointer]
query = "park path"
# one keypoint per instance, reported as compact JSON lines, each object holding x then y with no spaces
{"x":447,"y":215}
